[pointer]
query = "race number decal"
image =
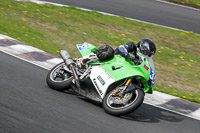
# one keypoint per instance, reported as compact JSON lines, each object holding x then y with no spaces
{"x":152,"y":77}
{"x":83,"y":46}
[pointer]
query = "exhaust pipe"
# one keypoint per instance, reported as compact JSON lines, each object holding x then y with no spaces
{"x":66,"y":57}
{"x":70,"y":63}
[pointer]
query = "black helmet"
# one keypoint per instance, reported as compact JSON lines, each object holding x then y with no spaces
{"x":147,"y":47}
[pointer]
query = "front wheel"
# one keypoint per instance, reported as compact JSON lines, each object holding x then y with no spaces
{"x":59,"y":78}
{"x":122,"y":105}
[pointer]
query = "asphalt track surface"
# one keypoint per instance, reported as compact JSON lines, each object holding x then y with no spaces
{"x":146,"y":10}
{"x":27,"y":105}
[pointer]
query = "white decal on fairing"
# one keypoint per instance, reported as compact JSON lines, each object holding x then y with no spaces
{"x":83,"y":46}
{"x":101,"y":80}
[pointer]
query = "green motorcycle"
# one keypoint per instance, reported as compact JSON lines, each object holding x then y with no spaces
{"x":118,"y":83}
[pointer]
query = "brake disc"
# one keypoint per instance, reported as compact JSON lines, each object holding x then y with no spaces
{"x":122,"y":100}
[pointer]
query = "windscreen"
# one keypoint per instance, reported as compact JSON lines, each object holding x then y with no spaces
{"x":151,"y":64}
{"x":150,"y":60}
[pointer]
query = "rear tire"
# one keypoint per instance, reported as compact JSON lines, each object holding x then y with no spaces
{"x":137,"y":97}
{"x":62,"y":85}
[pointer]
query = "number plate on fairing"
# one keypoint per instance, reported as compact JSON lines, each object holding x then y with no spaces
{"x":83,"y":46}
{"x":101,"y":80}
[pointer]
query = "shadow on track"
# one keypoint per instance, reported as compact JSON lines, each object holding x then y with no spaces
{"x":145,"y":113}
{"x":151,"y":114}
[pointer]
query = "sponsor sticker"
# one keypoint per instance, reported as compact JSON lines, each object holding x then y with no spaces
{"x":83,"y":46}
{"x":101,"y":80}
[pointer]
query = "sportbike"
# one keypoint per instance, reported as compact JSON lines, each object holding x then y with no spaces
{"x":117,"y":82}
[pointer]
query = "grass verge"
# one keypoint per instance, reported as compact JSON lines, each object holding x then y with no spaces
{"x":191,"y":3}
{"x":52,"y":28}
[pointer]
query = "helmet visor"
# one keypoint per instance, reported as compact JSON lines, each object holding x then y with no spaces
{"x":145,"y":49}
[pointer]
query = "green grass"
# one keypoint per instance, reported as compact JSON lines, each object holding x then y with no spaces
{"x":192,"y":3}
{"x":52,"y":28}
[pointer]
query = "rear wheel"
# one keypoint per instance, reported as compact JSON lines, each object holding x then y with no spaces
{"x":122,"y":105}
{"x":59,"y":78}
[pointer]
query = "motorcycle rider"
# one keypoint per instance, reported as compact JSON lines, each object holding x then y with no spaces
{"x":144,"y":46}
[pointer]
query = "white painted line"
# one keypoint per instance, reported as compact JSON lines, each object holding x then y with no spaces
{"x":158,"y":98}
{"x":190,"y":116}
{"x":44,"y":2}
{"x":23,"y":59}
{"x":20,"y":49}
{"x":166,"y":2}
{"x":193,"y":115}
{"x":5,"y":37}
{"x":55,"y":61}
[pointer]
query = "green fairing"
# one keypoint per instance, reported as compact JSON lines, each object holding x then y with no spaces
{"x":123,"y":68}
{"x":87,"y":50}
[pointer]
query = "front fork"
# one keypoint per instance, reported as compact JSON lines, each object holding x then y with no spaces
{"x":123,"y":90}
{"x":69,"y":62}
{"x":76,"y":78}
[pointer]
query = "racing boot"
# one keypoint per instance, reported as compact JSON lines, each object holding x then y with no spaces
{"x":86,"y":59}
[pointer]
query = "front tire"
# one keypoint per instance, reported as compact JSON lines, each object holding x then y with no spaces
{"x":58,"y":78}
{"x":133,"y":101}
